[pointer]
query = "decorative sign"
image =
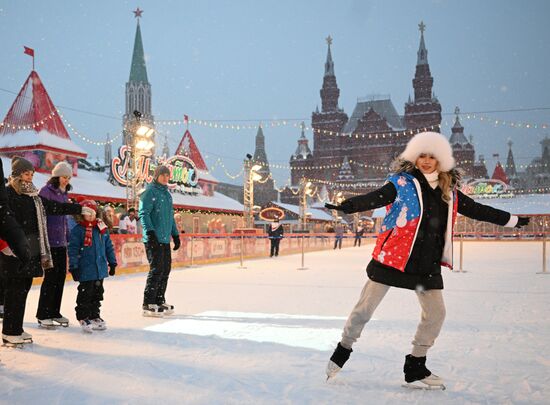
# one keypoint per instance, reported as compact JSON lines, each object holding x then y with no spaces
{"x":270,"y":213}
{"x":487,"y":189}
{"x":183,"y":172}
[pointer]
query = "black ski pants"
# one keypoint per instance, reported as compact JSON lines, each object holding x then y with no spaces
{"x":88,"y":299}
{"x":16,"y":290}
{"x":160,"y":263}
{"x":275,"y":246}
{"x":51,"y":291}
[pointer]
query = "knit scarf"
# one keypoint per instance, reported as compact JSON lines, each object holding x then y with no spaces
{"x":433,"y":179}
{"x":89,"y":226}
{"x":27,"y":188}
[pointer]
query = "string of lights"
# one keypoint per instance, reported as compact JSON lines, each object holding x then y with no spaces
{"x":86,"y":139}
{"x":500,"y":122}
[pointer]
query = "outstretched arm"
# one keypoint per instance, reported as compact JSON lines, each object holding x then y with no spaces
{"x":385,"y":195}
{"x":472,"y":209}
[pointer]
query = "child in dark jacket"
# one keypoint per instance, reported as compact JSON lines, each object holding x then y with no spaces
{"x":90,"y":253}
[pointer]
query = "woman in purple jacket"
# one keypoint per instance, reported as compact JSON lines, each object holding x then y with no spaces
{"x":51,"y":292}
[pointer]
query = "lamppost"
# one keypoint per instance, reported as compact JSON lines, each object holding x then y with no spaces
{"x":250,"y":176}
{"x":306,"y":190}
{"x":139,"y":145}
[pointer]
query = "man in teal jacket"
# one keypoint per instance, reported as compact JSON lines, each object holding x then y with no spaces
{"x":156,"y":213}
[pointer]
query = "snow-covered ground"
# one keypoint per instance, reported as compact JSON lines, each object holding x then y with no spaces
{"x":264,"y":334}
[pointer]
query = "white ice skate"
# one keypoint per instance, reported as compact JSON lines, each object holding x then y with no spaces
{"x":27,"y":337}
{"x":46,"y":323}
{"x":332,"y":369}
{"x":13,"y":341}
{"x":61,"y":321}
{"x":98,"y":324}
{"x":86,"y":325}
{"x":153,"y":310}
{"x":431,"y":382}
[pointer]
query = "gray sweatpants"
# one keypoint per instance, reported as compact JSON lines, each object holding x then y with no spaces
{"x":431,"y":320}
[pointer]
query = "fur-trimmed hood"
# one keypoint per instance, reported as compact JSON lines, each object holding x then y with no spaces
{"x":400,"y":165}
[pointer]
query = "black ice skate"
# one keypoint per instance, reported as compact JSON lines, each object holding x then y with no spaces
{"x":417,"y":376}
{"x":153,"y":310}
{"x":337,"y":360}
{"x":168,"y":309}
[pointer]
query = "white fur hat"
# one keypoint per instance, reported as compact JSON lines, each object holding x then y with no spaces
{"x":62,"y":169}
{"x":433,"y":144}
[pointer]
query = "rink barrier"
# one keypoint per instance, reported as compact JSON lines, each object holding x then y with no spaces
{"x":197,"y":249}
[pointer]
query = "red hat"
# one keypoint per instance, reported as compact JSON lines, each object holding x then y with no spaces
{"x":89,"y":203}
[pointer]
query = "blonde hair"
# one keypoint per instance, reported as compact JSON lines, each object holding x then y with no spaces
{"x":445,"y":180}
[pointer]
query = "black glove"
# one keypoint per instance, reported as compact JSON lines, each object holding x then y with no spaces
{"x":177,"y":242}
{"x":346,"y":207}
{"x":74,"y":273}
{"x":522,"y":221}
{"x":112,"y":269}
{"x":152,"y":238}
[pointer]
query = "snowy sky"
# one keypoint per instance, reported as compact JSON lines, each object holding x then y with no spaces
{"x":252,"y":61}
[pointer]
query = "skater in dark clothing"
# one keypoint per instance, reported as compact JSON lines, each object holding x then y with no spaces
{"x":30,"y":211}
{"x":13,"y":240}
{"x":90,"y":253}
{"x":156,"y":214}
{"x":358,"y":235}
{"x":51,"y":291}
{"x":415,"y":240}
{"x":275,"y":233}
{"x":339,"y":235}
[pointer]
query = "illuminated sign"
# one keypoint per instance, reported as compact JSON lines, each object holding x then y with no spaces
{"x":270,"y":213}
{"x":183,"y":172}
{"x":487,"y":189}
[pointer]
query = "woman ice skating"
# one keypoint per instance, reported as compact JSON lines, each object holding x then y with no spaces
{"x":275,"y":233}
{"x":51,"y":291}
{"x":409,"y":255}
{"x":90,"y":253}
{"x":30,"y":211}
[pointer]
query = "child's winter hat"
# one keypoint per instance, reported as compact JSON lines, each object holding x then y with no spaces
{"x":433,"y":144}
{"x":62,"y":169}
{"x":20,"y":165}
{"x":160,"y":170}
{"x":88,"y":207}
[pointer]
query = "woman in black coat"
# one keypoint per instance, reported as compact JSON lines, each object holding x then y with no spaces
{"x":415,"y":240}
{"x":30,"y":212}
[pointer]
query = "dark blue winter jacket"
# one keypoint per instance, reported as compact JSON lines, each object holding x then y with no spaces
{"x":90,"y":262}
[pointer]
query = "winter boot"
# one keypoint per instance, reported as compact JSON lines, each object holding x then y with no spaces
{"x":61,"y":320}
{"x":86,"y":325}
{"x":98,"y":324}
{"x":153,"y":310}
{"x":337,"y":360}
{"x":1,"y":312}
{"x":418,"y":376}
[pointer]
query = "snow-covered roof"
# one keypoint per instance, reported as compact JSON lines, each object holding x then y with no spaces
{"x":39,"y":140}
{"x":95,"y":184}
{"x":315,"y":213}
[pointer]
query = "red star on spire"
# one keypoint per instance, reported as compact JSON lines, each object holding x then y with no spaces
{"x":137,"y":12}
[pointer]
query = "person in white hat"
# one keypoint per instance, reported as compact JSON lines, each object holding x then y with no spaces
{"x":414,"y":241}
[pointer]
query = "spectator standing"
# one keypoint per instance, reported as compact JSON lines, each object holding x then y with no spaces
{"x":128,"y":225}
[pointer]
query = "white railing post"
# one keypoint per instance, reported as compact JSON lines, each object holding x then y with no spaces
{"x":303,"y":258}
{"x":242,"y":252}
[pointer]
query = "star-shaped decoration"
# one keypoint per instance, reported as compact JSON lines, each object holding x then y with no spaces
{"x":137,"y":12}
{"x":422,"y":27}
{"x":329,"y":40}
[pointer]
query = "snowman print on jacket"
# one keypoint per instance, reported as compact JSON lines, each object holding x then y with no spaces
{"x":402,"y":218}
